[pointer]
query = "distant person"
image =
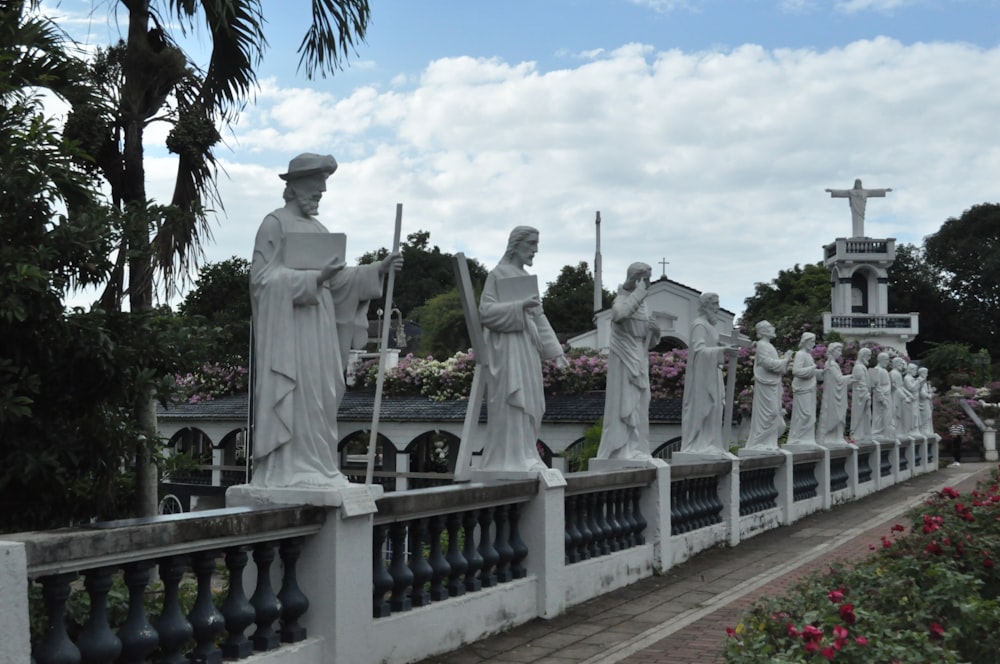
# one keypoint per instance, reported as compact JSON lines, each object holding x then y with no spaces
{"x":957,"y":433}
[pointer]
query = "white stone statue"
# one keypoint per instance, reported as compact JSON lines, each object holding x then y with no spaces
{"x":518,"y":337}
{"x":882,"y":426}
{"x":704,"y":395}
{"x":304,"y":322}
{"x":901,"y":398}
{"x":857,"y":197}
{"x":926,"y":396}
{"x":802,"y":430}
{"x":833,"y":407}
{"x":911,"y":381}
{"x":861,"y":398}
{"x":634,"y":332}
{"x":767,"y":418}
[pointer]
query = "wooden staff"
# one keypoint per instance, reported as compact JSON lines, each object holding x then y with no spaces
{"x":380,"y":380}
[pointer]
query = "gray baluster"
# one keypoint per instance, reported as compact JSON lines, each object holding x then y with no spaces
{"x":174,"y":629}
{"x":474,"y":562}
{"x":56,"y":647}
{"x":381,"y":579}
{"x":501,"y":542}
{"x":422,"y":571}
{"x":439,"y":564}
{"x":583,"y":551}
{"x":640,"y":520}
{"x":517,"y":544}
{"x":137,"y":635}
{"x":263,"y":600}
{"x":456,"y":561}
{"x":402,"y":576}
{"x":206,"y":620}
{"x":236,"y":609}
{"x":294,"y":602}
{"x":97,"y":643}
{"x":487,"y":576}
{"x":572,"y":536}
{"x":593,"y":525}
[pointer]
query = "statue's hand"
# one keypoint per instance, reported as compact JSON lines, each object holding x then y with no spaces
{"x":393,"y":262}
{"x":562,"y":362}
{"x":335,"y":265}
{"x":531,"y":303}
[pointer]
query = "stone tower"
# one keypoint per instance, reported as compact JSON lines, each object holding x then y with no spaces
{"x":859,"y":281}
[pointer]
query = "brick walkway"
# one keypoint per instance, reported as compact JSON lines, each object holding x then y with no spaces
{"x":681,"y":616}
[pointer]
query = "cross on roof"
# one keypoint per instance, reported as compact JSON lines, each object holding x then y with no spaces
{"x":664,"y":263}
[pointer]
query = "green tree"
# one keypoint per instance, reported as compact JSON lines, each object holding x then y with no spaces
{"x":427,"y":273}
{"x":68,"y":380}
{"x":219,"y":308}
{"x":794,"y":302}
{"x":150,"y":78}
{"x":569,"y":301}
{"x":966,"y":250}
{"x":916,"y":285}
{"x":443,"y":331}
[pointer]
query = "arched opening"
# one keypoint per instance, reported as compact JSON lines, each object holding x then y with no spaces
{"x":432,"y":452}
{"x":665,"y":450}
{"x":859,"y":292}
{"x":668,"y":344}
{"x":234,"y":457}
{"x":190,"y":452}
{"x":545,"y":452}
{"x":573,"y":454}
{"x":353,"y":457}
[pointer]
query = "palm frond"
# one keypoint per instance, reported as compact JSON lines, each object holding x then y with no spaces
{"x":331,"y":37}
{"x":236,"y":29}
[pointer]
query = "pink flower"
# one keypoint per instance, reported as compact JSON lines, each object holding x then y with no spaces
{"x":792,"y":632}
{"x":936,"y":631}
{"x":861,"y":641}
{"x":811,"y":646}
{"x":829,"y":653}
{"x":949,"y":492}
{"x":835,"y":596}
{"x":847,"y":615}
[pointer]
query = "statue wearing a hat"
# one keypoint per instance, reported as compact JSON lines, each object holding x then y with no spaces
{"x":308,"y":307}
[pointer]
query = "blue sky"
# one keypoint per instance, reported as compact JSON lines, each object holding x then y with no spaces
{"x":704,"y":131}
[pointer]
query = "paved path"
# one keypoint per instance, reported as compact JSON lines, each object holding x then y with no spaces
{"x":681,"y":617}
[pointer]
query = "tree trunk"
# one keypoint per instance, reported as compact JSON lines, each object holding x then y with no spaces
{"x":135,"y":99}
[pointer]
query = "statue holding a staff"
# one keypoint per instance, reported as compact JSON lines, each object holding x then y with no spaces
{"x":308,"y":309}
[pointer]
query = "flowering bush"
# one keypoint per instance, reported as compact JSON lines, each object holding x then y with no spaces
{"x":211,"y":381}
{"x":438,"y":380}
{"x":928,"y":593}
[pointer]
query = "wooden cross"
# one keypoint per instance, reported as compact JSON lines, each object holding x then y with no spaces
{"x":734,"y":339}
{"x":664,"y":263}
{"x":468,"y":298}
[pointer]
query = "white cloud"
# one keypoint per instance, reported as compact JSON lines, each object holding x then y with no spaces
{"x":715,"y":160}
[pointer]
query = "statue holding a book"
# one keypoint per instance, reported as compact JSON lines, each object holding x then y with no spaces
{"x":309,"y":308}
{"x":517,"y":337}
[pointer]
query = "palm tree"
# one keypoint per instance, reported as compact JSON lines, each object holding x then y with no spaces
{"x":148,"y":77}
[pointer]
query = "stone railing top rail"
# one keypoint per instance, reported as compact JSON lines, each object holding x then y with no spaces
{"x":839,"y":452}
{"x":118,"y":542}
{"x":700,"y":469}
{"x":586,"y":482}
{"x":757,"y":461}
{"x":806,"y":456}
{"x":417,"y":503}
